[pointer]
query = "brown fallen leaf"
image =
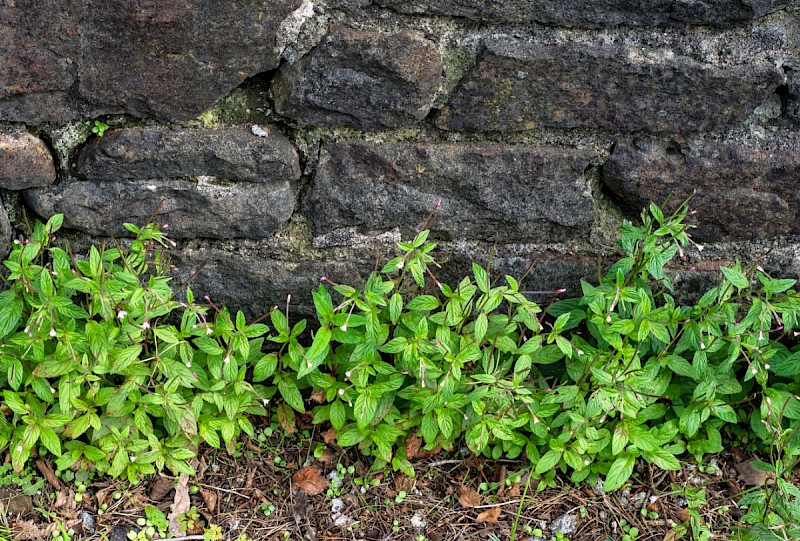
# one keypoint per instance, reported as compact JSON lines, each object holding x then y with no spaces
{"x":210,"y":497}
{"x":468,"y":497}
{"x":28,"y":529}
{"x":490,"y":516}
{"x":750,"y":475}
{"x":329,"y":435}
{"x":318,"y":396}
{"x":180,"y":505}
{"x":413,"y":444}
{"x":671,"y":535}
{"x":310,"y":481}
{"x":160,"y":487}
{"x":286,"y":418}
{"x":682,"y":515}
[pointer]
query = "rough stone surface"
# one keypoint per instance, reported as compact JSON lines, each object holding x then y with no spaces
{"x":487,"y":191}
{"x":256,"y":277}
{"x":367,"y":80}
{"x":204,"y":208}
{"x":518,"y":86}
{"x":67,"y":59}
{"x":227,"y":153}
{"x":5,"y":233}
{"x":599,"y":13}
{"x":25,"y":161}
{"x":743,"y":192}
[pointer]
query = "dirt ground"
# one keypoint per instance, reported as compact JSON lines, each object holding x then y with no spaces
{"x":299,"y":488}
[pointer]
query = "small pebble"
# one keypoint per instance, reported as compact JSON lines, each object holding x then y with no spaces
{"x":418,"y":523}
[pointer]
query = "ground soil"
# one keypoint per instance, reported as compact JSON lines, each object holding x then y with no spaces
{"x":277,"y":489}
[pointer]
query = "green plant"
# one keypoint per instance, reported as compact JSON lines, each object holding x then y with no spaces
{"x":99,"y":128}
{"x":106,"y":369}
{"x":97,"y":378}
{"x":774,"y":507}
{"x":695,"y":528}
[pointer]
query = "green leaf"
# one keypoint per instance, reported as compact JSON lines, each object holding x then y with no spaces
{"x":549,"y":461}
{"x":619,"y":440}
{"x":663,"y":459}
{"x":735,"y":276}
{"x":481,"y":325}
{"x":365,"y":408}
{"x":124,"y":358}
{"x":265,"y":367}
{"x":481,"y":277}
{"x":423,"y":303}
{"x":50,"y":440}
{"x":349,"y":436}
{"x":15,"y":403}
{"x":291,"y":394}
{"x":317,"y":353}
{"x":395,"y":308}
{"x":619,"y":472}
{"x":337,"y":415}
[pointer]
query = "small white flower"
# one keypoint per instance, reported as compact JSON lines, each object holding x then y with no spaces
{"x":700,"y":247}
{"x":423,"y":383}
{"x":265,"y":401}
{"x":348,"y":374}
{"x":401,"y":264}
{"x":188,"y":364}
{"x":227,"y":359}
{"x":52,"y":390}
{"x":608,"y":318}
{"x":208,"y":329}
{"x":580,"y":352}
{"x":343,"y":328}
{"x":754,"y":370}
{"x":341,"y":392}
{"x":133,"y":458}
{"x":759,"y":268}
{"x":766,"y":366}
{"x":760,"y":335}
{"x":19,"y":448}
{"x":146,"y":324}
{"x":535,"y":419}
{"x":52,"y":332}
{"x":702,"y":345}
{"x":121,"y":314}
{"x":586,"y":462}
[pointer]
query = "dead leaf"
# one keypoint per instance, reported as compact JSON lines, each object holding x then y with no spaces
{"x":319,"y":396}
{"x":210,"y":497}
{"x":27,"y":529}
{"x":513,"y":491}
{"x":310,"y":481}
{"x":413,"y":443}
{"x":329,"y":435}
{"x":750,"y":475}
{"x":286,"y":418}
{"x":490,"y":516}
{"x":468,"y":497}
{"x":180,"y":505}
{"x":327,"y":458}
{"x":671,"y":535}
{"x":46,"y":470}
{"x":682,"y":515}
{"x":160,"y":488}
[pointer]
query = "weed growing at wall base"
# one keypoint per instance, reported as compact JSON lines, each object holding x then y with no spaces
{"x":104,"y":368}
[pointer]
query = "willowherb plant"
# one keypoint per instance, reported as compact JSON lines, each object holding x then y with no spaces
{"x":106,"y":368}
{"x":94,"y":374}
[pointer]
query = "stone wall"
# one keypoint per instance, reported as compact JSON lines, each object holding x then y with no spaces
{"x":283,"y":140}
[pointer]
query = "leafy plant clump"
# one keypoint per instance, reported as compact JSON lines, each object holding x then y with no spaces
{"x":106,"y":369}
